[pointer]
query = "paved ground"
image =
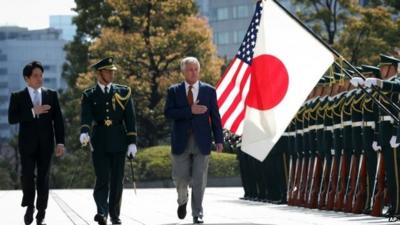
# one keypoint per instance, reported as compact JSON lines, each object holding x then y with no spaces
{"x":158,"y":206}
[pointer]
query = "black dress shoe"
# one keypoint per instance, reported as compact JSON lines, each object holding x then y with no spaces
{"x":389,"y":213}
{"x":40,"y":222}
{"x":28,"y":217}
{"x":182,"y":211}
{"x":100,"y":219}
{"x":116,"y":221}
{"x":197,"y":220}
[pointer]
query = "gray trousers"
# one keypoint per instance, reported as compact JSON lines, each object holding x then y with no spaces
{"x":191,"y":167}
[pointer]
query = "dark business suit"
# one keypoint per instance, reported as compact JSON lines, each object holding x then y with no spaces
{"x":36,"y":142}
{"x":178,"y":109}
{"x":191,"y":140}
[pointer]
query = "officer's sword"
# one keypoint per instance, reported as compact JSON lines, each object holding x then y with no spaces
{"x":78,"y":168}
{"x":133,"y":175}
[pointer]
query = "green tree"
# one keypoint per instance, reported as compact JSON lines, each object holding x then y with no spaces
{"x":325,"y":17}
{"x":392,"y":3}
{"x":365,"y":36}
{"x":148,"y":38}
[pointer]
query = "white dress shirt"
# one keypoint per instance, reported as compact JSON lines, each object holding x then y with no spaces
{"x":32,"y":94}
{"x":195,"y":89}
{"x":104,"y":86}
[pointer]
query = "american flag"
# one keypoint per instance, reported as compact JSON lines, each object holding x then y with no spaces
{"x":233,"y":88}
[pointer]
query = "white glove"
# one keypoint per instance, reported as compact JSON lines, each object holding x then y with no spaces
{"x":375,"y":146}
{"x":131,"y":151}
{"x":393,"y":143}
{"x":369,"y":82}
{"x":84,"y":139}
{"x":357,"y":81}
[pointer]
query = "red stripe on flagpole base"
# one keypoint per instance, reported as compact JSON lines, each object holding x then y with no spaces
{"x":269,"y":82}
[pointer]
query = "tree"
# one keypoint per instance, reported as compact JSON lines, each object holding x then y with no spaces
{"x":325,"y":17}
{"x":392,"y":3}
{"x":148,"y":38}
{"x":369,"y":34}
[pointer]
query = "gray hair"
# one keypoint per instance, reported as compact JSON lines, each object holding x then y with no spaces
{"x":189,"y":60}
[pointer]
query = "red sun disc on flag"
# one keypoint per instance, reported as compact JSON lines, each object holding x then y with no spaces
{"x":269,"y":82}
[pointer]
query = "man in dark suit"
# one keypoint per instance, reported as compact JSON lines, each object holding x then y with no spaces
{"x":192,"y":106}
{"x":108,"y":109}
{"x":38,"y":113}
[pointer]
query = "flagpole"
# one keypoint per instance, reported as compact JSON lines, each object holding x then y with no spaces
{"x":376,"y":101}
{"x":343,"y":60}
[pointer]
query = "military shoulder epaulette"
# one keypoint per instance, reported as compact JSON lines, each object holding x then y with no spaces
{"x":357,"y":100}
{"x":123,"y":97}
{"x":121,"y":86}
{"x":321,"y":110}
{"x":89,"y":90}
{"x":349,"y":100}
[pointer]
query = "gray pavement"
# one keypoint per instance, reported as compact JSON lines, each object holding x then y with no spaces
{"x":158,"y":207}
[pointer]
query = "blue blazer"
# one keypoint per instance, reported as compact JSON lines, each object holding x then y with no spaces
{"x":183,"y":121}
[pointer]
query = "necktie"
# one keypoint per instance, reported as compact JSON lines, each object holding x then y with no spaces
{"x":105,"y":90}
{"x":36,"y":98}
{"x":190,"y":95}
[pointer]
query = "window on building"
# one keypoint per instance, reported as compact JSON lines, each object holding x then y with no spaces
{"x":3,"y":112}
{"x":222,"y":38}
{"x":3,"y":84}
{"x":3,"y":57}
{"x":241,"y":11}
{"x":4,"y":127}
{"x":222,"y":13}
{"x":50,"y":82}
{"x":3,"y":71}
{"x":238,"y":36}
{"x":3,"y":99}
{"x":50,"y":68}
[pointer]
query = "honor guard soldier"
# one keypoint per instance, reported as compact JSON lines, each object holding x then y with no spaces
{"x":347,"y":147}
{"x":367,"y":156}
{"x":300,"y":156}
{"x":387,"y":129}
{"x":337,"y":140}
{"x":108,"y":116}
{"x":314,"y":173}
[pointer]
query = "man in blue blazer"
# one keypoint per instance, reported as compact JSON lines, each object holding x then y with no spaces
{"x":192,"y":107}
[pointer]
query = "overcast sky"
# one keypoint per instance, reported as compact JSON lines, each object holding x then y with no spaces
{"x":33,"y":14}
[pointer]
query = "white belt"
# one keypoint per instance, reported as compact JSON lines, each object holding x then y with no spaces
{"x":321,"y":126}
{"x":285,"y":134}
{"x":312,"y":127}
{"x":387,"y":118}
{"x":292,"y":133}
{"x":369,"y":124}
{"x":337,"y":126}
{"x":299,"y":132}
{"x":329,"y":128}
{"x":306,"y":129}
{"x":347,"y":123}
{"x":357,"y":124}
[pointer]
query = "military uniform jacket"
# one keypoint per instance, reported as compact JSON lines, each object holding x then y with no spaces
{"x":111,"y":116}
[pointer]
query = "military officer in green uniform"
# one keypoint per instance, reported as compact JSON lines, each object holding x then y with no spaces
{"x":387,"y":129}
{"x":108,"y":126}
